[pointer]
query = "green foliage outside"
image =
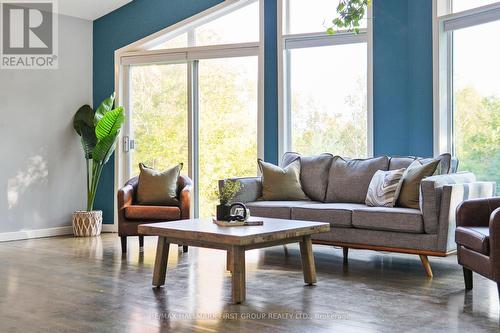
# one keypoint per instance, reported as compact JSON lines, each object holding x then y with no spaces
{"x":316,"y":131}
{"x":477,"y":134}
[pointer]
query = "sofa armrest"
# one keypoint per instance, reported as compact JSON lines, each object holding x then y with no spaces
{"x":452,"y":196}
{"x":185,"y":186}
{"x":431,"y":190}
{"x":250,"y":191}
{"x":494,"y":224}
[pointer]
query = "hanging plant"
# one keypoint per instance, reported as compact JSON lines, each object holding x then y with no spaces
{"x":350,"y":13}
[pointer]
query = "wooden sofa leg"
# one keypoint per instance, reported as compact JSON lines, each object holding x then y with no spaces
{"x":346,"y":254}
{"x":467,"y":278}
{"x":141,"y":242}
{"x":124,"y":243}
{"x":427,"y":265}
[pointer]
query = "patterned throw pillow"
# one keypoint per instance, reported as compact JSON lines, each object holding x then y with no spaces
{"x":384,"y":188}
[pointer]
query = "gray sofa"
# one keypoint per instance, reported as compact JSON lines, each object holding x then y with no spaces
{"x":337,"y":196}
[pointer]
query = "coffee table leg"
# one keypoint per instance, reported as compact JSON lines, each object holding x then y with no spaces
{"x":238,"y":274}
{"x":307,"y":257}
{"x":229,"y":261}
{"x":160,"y":269}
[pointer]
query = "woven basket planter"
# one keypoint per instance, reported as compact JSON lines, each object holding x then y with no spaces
{"x":87,"y":224}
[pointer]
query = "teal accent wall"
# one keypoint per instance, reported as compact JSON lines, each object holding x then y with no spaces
{"x":402,"y":76}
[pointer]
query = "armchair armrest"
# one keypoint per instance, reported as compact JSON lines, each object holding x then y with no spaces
{"x":476,"y":212}
{"x":126,"y":194}
{"x":185,"y":186}
{"x":494,"y":224}
{"x":250,"y":191}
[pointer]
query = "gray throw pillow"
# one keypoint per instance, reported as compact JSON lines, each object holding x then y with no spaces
{"x":157,"y":188}
{"x":384,"y":188}
{"x":281,"y":183}
{"x":313,"y":173}
{"x":348,"y":180}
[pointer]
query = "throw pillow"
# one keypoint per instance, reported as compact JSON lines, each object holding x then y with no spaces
{"x":384,"y":188}
{"x":410,"y":190}
{"x":158,"y":188}
{"x":281,"y":183}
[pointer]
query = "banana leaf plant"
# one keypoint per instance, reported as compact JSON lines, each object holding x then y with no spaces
{"x":99,"y":131}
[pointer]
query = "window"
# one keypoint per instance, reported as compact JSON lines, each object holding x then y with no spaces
{"x":192,"y":94}
{"x":470,"y":103}
{"x":325,"y":102}
{"x":461,"y":5}
{"x":241,"y":25}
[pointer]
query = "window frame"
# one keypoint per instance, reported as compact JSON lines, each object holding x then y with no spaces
{"x":287,"y":42}
{"x":140,"y":52}
{"x":444,"y":23}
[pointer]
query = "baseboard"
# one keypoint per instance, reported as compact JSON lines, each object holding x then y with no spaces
{"x":109,"y":228}
{"x":39,"y":233}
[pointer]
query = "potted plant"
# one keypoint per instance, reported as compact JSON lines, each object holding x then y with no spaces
{"x":99,"y":132}
{"x":227,"y":192}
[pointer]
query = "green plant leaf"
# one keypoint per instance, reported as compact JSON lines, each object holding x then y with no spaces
{"x":110,"y":123}
{"x":105,"y":148}
{"x":83,"y":117}
{"x":88,"y":140}
{"x":105,"y":107}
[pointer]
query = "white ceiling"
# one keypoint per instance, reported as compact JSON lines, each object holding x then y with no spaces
{"x":89,"y":9}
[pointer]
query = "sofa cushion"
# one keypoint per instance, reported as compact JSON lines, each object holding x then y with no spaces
{"x":474,"y":238}
{"x":281,"y":183}
{"x":447,"y":163}
{"x":444,"y":165}
{"x":337,"y":214}
{"x":400,"y":162}
{"x":348,"y":180}
{"x":313,"y":173}
{"x":388,"y":219}
{"x":274,"y":209}
{"x":152,"y":213}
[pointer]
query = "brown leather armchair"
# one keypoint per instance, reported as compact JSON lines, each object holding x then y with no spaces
{"x":130,"y":215}
{"x":478,"y":239}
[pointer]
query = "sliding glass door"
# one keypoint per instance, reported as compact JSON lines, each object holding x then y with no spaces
{"x":159,"y":116}
{"x":202,"y":113}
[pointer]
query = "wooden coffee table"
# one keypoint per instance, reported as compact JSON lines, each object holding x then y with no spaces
{"x":234,"y":240}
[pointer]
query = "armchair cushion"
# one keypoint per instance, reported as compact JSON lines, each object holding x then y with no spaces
{"x":152,"y":213}
{"x":474,"y":238}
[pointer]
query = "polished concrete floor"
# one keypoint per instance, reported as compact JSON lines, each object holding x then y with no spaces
{"x":67,"y":284}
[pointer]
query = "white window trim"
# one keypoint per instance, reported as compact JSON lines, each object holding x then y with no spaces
{"x":293,"y":41}
{"x":139,"y":52}
{"x":442,"y":26}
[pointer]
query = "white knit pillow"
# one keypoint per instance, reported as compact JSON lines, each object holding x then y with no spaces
{"x":384,"y":188}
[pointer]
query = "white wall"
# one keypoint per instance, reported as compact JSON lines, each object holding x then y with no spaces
{"x":42,"y":170}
